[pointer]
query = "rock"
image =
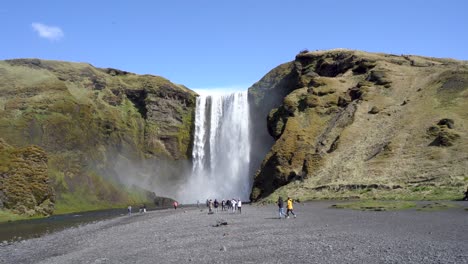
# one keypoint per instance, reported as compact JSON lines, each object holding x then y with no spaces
{"x":220,"y":223}
{"x":447,"y":122}
{"x":445,"y":139}
{"x":374,"y":110}
{"x":379,"y":78}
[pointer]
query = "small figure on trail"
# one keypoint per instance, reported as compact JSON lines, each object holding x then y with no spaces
{"x":290,"y":208}
{"x":466,"y":195}
{"x":207,"y":203}
{"x":198,"y":204}
{"x":239,"y":206}
{"x":216,"y":205}
{"x":228,"y":204}
{"x":129,"y":209}
{"x":175,"y":205}
{"x":210,"y":206}
{"x":144,"y":208}
{"x":281,"y":207}
{"x":234,"y":205}
{"x":223,"y":204}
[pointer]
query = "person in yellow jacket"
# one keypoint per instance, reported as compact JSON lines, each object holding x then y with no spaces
{"x":290,"y":208}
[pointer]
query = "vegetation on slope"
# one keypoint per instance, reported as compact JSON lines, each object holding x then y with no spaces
{"x":88,"y":119}
{"x":363,"y":125}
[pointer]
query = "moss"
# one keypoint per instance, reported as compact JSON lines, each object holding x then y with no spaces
{"x":184,"y":136}
{"x":436,"y":206}
{"x":376,"y":205}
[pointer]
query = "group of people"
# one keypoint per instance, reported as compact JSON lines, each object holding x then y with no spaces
{"x":289,"y":207}
{"x":141,"y":210}
{"x":231,"y":205}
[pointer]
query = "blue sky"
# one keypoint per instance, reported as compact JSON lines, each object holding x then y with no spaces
{"x":225,"y":44}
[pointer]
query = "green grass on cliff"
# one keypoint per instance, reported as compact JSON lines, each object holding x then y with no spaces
{"x":84,"y":117}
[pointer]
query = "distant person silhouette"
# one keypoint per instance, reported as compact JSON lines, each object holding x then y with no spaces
{"x":223,"y":205}
{"x":466,"y":195}
{"x":280,"y":204}
{"x":175,"y":205}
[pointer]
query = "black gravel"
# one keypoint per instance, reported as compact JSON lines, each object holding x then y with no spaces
{"x":318,"y":235}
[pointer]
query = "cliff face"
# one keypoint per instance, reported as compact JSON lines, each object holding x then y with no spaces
{"x":88,"y":119}
{"x":356,"y":124}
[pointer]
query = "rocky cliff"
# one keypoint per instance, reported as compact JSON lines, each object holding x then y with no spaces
{"x":88,"y":121}
{"x":363,"y":125}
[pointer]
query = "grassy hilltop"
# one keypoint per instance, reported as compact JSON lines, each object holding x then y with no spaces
{"x":351,"y":124}
{"x":84,"y":120}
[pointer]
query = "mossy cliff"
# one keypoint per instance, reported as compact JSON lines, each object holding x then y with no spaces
{"x":87,"y":120}
{"x":24,"y":183}
{"x":350,"y":124}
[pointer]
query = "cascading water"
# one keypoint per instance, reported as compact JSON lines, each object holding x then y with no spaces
{"x":221,"y":149}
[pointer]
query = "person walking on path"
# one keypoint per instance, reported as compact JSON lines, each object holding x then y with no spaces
{"x":281,"y":207}
{"x":210,"y":206}
{"x":290,"y":208}
{"x":129,"y":208}
{"x":239,"y":206}
{"x":175,"y":205}
{"x":234,"y":205}
{"x":223,"y":204}
{"x":216,"y":205}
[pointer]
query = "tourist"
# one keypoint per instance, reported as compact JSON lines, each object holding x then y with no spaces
{"x":466,"y":195}
{"x":175,"y":205}
{"x":290,"y":208}
{"x":228,"y":204}
{"x":234,"y":205}
{"x":210,"y":206}
{"x":129,"y":208}
{"x":223,"y":204}
{"x":144,"y":208}
{"x":239,"y":206}
{"x":216,"y":205}
{"x":281,"y":207}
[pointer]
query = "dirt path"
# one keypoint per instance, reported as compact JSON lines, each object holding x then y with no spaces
{"x":318,"y":235}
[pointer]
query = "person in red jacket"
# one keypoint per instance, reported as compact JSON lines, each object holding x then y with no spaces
{"x":175,"y":205}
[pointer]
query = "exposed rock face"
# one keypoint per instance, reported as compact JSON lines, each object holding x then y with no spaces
{"x":352,"y":119}
{"x":87,"y":119}
{"x":25,"y":187}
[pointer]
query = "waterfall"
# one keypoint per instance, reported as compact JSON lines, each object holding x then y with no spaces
{"x":221,"y":149}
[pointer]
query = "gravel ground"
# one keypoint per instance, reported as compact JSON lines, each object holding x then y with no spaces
{"x":318,"y":235}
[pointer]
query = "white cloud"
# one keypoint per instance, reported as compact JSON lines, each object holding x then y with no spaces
{"x":48,"y":32}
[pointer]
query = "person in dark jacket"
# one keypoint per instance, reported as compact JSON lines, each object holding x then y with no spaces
{"x":466,"y":195}
{"x":281,"y":207}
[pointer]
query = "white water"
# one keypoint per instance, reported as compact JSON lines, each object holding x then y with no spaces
{"x":221,"y":150}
